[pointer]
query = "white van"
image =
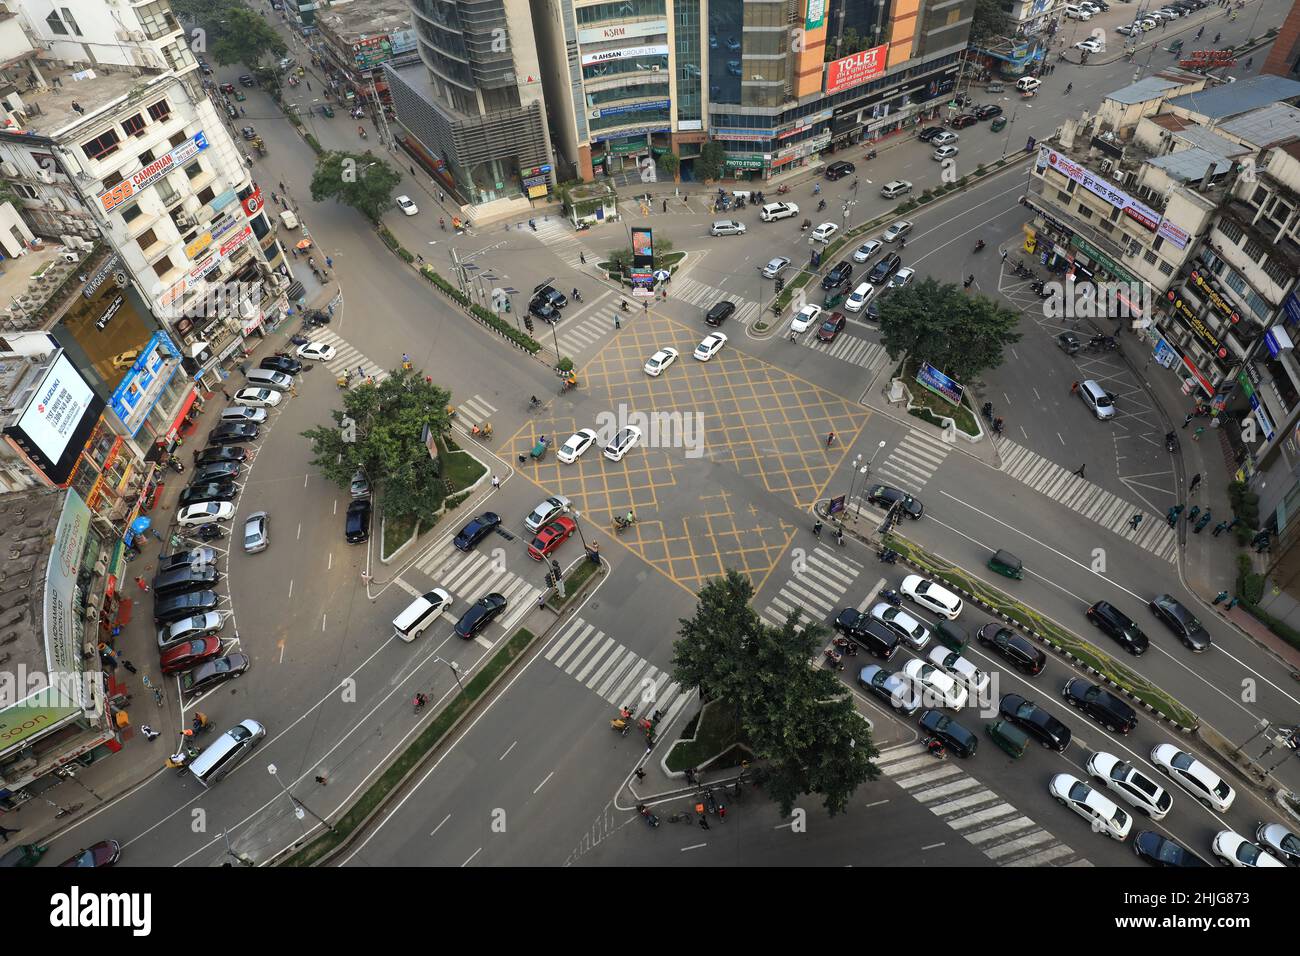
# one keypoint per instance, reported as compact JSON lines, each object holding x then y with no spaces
{"x":778,"y":210}
{"x":860,"y":297}
{"x":421,"y":612}
{"x":1097,"y":399}
{"x":224,"y":755}
{"x":289,"y":219}
{"x":266,"y":378}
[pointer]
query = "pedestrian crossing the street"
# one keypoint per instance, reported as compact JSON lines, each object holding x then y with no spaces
{"x":615,"y":674}
{"x":692,"y":292}
{"x":1000,"y":831}
{"x":913,"y":461}
{"x":468,"y":577}
{"x":347,"y":358}
{"x":848,"y":348}
{"x":817,"y":589}
{"x":559,"y":238}
{"x":1083,"y":497}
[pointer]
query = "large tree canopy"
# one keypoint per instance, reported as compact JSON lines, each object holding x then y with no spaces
{"x":230,"y":32}
{"x":364,"y":182}
{"x":958,"y":333}
{"x":989,"y":22}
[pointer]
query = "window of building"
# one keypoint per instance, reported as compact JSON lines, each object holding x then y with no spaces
{"x":1277,"y":271}
{"x":163,"y":266}
{"x":206,"y":195}
{"x":1084,"y":212}
{"x":178,"y":138}
{"x":159,"y":111}
{"x":1159,"y":242}
{"x":70,"y":20}
{"x":111,"y":180}
{"x":131,"y":213}
{"x":133,"y":125}
{"x":1257,"y":304}
{"x":1253,"y":250}
{"x":1231,"y":230}
{"x":1259,"y":197}
{"x":1149,"y":257}
{"x":145,"y":158}
{"x":105,"y":144}
{"x":146,"y":239}
{"x":1165,"y":268}
{"x":194,"y":169}
{"x":55,"y":24}
{"x":22,"y":189}
{"x":1212,"y":262}
{"x":1062,"y":196}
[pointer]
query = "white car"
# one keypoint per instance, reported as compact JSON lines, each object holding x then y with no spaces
{"x":937,"y":688}
{"x":778,"y":210}
{"x":623,"y":442}
{"x":824,"y":232}
{"x":944,"y":152}
{"x":656,"y":364}
{"x":711,"y":346}
{"x":316,"y":352}
{"x":897,"y":230}
{"x":1092,"y":45}
{"x":254,"y":397}
{"x":931,"y":596}
{"x":546,"y":511}
{"x":1235,"y":850}
{"x":902,"y":624}
{"x":1149,"y":23}
{"x":203,"y":512}
{"x":1093,"y":806}
{"x":859,"y":297}
{"x":867,"y":250}
{"x":975,"y":680}
{"x":404,"y":203}
{"x":1194,"y":777}
{"x":1130,"y":785}
{"x":1131,"y":29}
{"x":578,"y":442}
{"x":901,"y":278}
{"x":808,"y":316}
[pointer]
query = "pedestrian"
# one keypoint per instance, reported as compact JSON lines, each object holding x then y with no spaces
{"x":329,"y":262}
{"x":149,"y":732}
{"x":1074,"y":389}
{"x":320,"y":778}
{"x":142,"y":584}
{"x":704,"y":823}
{"x":1191,"y":515}
{"x":282,"y":189}
{"x":1004,"y":259}
{"x":1188,"y":419}
{"x":645,"y":307}
{"x":1134,"y":521}
{"x":1233,"y":603}
{"x":830,"y":439}
{"x":1196,"y":435}
{"x":274,"y":197}
{"x":294,"y":250}
{"x":665,"y":205}
{"x":1196,"y":482}
{"x":582,"y":257}
{"x":225,"y":395}
{"x":640,"y":774}
{"x":617,"y":323}
{"x":361,"y":372}
{"x":1078,"y":472}
{"x":441,"y":196}
{"x":1221,"y":597}
{"x":496,"y":482}
{"x":129,"y":666}
{"x":1232,"y":524}
{"x":541,"y":599}
{"x":722,"y":812}
{"x":5,"y":831}
{"x":690,"y":776}
{"x":1205,"y":519}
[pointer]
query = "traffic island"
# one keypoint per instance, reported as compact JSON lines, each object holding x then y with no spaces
{"x":712,"y":740}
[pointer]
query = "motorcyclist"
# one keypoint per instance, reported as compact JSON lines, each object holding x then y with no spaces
{"x":420,"y":700}
{"x":200,"y":720}
{"x":1070,"y":86}
{"x":935,"y":746}
{"x":979,"y":244}
{"x":533,"y":401}
{"x":630,"y":517}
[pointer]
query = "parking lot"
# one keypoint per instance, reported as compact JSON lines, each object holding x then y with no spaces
{"x":719,"y":438}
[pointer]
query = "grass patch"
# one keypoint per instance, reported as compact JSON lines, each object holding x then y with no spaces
{"x":1066,"y":640}
{"x":932,"y":406}
{"x":410,"y":758}
{"x":461,"y":469}
{"x":717,"y":731}
{"x":397,"y":531}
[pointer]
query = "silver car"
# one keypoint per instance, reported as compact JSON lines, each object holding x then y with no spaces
{"x":775,"y":267}
{"x":1280,"y":842}
{"x":903,"y":624}
{"x":255,"y":532}
{"x":544,"y":512}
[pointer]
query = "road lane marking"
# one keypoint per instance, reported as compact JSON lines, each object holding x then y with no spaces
{"x":933,"y":846}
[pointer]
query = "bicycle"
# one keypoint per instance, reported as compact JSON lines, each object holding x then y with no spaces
{"x":157,"y":691}
{"x":67,"y":811}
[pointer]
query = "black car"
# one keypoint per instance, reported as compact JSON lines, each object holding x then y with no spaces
{"x":207,"y":491}
{"x":212,"y":456}
{"x":1035,"y":721}
{"x":540,"y":309}
{"x":232,"y":433}
{"x":356,"y":526}
{"x":720,"y":312}
{"x":476,"y":530}
{"x":963,"y":120}
{"x":954,"y":736}
{"x":1161,"y":851}
{"x":194,"y":558}
{"x":929,"y":133}
{"x":839,"y":169}
{"x":214,"y":672}
{"x":884,"y":268}
{"x":886,"y":497}
{"x":1069,"y":343}
{"x":217,"y":471}
{"x":1181,"y":621}
{"x":169,"y":610}
{"x":987,"y":111}
{"x":480,"y":614}
{"x":279,"y":363}
{"x":246,"y":80}
{"x":248,"y":132}
{"x":865,"y":630}
{"x":838,"y":276}
{"x":1017,"y":651}
{"x":1101,"y":705}
{"x":1119,"y":626}
{"x":552,"y":296}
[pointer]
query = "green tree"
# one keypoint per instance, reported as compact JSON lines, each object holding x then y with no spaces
{"x":668,"y":164}
{"x":364,"y":182}
{"x":989,"y":22}
{"x":961,"y":335}
{"x":230,"y":32}
{"x":710,"y":162}
{"x":381,"y":429}
{"x":798,"y":719}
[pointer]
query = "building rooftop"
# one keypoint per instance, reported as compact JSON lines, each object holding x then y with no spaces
{"x":50,"y":111}
{"x":1265,"y":126}
{"x":28,"y":520}
{"x":1233,"y":99}
{"x":1210,"y":141}
{"x":1151,"y":87}
{"x":372,"y":18}
{"x":45,"y":275}
{"x":1189,"y":165}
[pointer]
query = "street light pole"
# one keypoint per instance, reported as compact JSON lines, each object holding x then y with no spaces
{"x":455,"y":671}
{"x":299,"y":808}
{"x":872,"y":459}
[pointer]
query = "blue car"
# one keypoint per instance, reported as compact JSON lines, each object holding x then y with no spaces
{"x":477,"y":530}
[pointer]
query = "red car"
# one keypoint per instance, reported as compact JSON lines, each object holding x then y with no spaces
{"x":551,"y":537}
{"x":832,"y":327}
{"x":964,"y":120}
{"x":190,"y":654}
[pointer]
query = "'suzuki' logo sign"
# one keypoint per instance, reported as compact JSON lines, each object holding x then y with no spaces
{"x":855,"y":70}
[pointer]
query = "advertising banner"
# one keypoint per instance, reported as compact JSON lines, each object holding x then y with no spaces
{"x":144,"y":382}
{"x":1175,"y":234}
{"x":58,"y":419}
{"x":815,"y":16}
{"x":1139,"y":212}
{"x":600,"y":56}
{"x":851,"y":71}
{"x":643,"y":284}
{"x":602,"y":34}
{"x":112,"y":198}
{"x":62,"y":620}
{"x":642,"y":249}
{"x":1184,"y":313}
{"x":1205,"y":286}
{"x":930,"y":377}
{"x":629,"y":108}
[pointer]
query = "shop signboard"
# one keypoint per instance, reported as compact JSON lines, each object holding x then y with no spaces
{"x":601,"y":56}
{"x":1183,"y":312}
{"x":143,"y":383}
{"x":623,"y":31}
{"x":1205,"y":286}
{"x":53,"y":427}
{"x":110,"y":199}
{"x":636,"y":145}
{"x":1257,"y":408}
{"x":850,"y":71}
{"x":1291,"y":306}
{"x":743,"y":162}
{"x":815,"y":17}
{"x":629,"y":108}
{"x":1099,"y":186}
{"x":1175,"y":234}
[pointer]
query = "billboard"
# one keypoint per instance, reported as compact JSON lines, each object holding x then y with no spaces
{"x":601,"y":56}
{"x":54,"y":426}
{"x":850,"y":71}
{"x":143,"y":384}
{"x":110,"y":199}
{"x":643,"y":256}
{"x":816,"y":15}
{"x":930,"y":377}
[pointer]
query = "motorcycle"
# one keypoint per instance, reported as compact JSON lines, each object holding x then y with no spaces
{"x":782,"y":189}
{"x":1171,"y":442}
{"x":871,"y":154}
{"x":846,"y":647}
{"x":621,"y":523}
{"x":299,"y":339}
{"x":740,"y":202}
{"x":821,"y":205}
{"x":180,"y":760}
{"x":805,"y":225}
{"x":834,"y":659}
{"x":1105,"y":343}
{"x":892,"y":597}
{"x":887,"y":555}
{"x":362,"y":131}
{"x":209,"y":532}
{"x":343,"y":381}
{"x":979,"y":245}
{"x":934,"y":746}
{"x":623,"y":722}
{"x":650,"y":818}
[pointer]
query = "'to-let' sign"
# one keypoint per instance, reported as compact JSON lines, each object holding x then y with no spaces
{"x":851,"y":71}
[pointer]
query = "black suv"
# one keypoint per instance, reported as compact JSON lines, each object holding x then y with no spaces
{"x":887,"y":497}
{"x":478,"y":616}
{"x":1119,"y":626}
{"x":356,"y":524}
{"x":207,"y":491}
{"x":1035,"y":721}
{"x":169,"y":609}
{"x":885,"y":268}
{"x":211,"y":456}
{"x":232,"y":433}
{"x":719,"y":312}
{"x":541,"y":309}
{"x":552,"y":295}
{"x":838,"y":276}
{"x":1021,"y":654}
{"x":929,"y":133}
{"x":865,"y":630}
{"x":1101,"y":705}
{"x":839,"y":170}
{"x":1181,"y":621}
{"x":938,"y":724}
{"x":217,"y":471}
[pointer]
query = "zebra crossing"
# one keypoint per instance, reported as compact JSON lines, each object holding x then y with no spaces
{"x":474,"y":410}
{"x":559,"y":238}
{"x":816,"y":590}
{"x":1000,"y":831}
{"x":348,"y":358}
{"x":577,"y":336}
{"x":913,"y":461}
{"x":1084,"y":498}
{"x":468,"y":577}
{"x":848,"y":348}
{"x":693,"y":292}
{"x":617,"y":675}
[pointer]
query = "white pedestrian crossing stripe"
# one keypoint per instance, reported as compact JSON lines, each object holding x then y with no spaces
{"x":577,"y":336}
{"x":468,"y":577}
{"x":1000,"y":831}
{"x":617,"y":675}
{"x":559,"y":238}
{"x":474,"y":410}
{"x":696,"y":293}
{"x":348,"y":358}
{"x":816,"y":590}
{"x":913,"y":461}
{"x":849,"y":348}
{"x":1079,"y":495}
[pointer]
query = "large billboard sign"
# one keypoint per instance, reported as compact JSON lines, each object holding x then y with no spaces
{"x":143,"y":384}
{"x":112,"y":198}
{"x":54,"y":426}
{"x":851,"y":71}
{"x":643,"y":256}
{"x":816,"y":15}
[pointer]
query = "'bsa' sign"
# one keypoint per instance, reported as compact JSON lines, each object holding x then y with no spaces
{"x":855,"y":70}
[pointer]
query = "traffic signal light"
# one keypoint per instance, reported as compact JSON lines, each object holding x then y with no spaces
{"x":780,"y":283}
{"x":550,"y":581}
{"x":528,"y":322}
{"x":507,"y":306}
{"x":555,"y":569}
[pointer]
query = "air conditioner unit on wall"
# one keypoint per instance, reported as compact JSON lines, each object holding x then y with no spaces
{"x":9,"y":169}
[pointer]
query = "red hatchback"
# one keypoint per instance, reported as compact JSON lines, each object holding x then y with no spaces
{"x":551,"y":537}
{"x":190,"y":654}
